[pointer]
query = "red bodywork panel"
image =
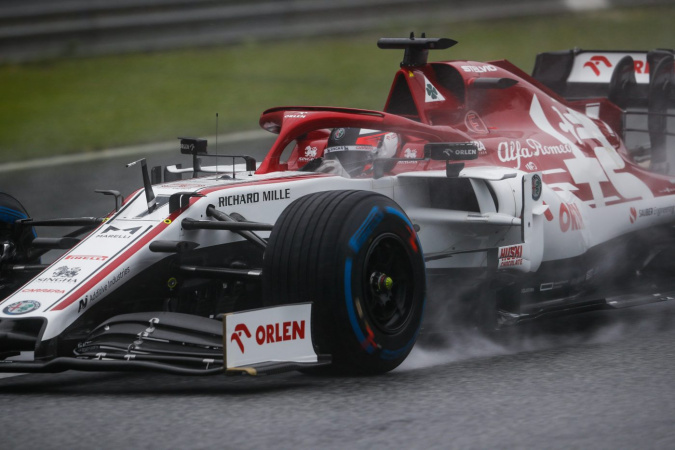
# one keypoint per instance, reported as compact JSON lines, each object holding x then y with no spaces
{"x":515,"y":121}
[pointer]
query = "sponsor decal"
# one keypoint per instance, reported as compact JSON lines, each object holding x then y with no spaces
{"x":126,"y":250}
{"x":22,"y":307}
{"x":269,"y":334}
{"x":512,"y":251}
{"x":280,"y":332}
{"x":63,"y":274}
{"x":570,"y":217}
{"x":339,"y":134}
{"x":43,"y":291}
{"x":296,"y":115}
{"x":595,"y":62}
{"x":474,"y":123}
{"x":658,"y":212}
{"x":633,"y":215}
{"x":240,"y":330}
{"x":102,"y":289}
{"x":66,"y":272}
{"x":509,"y":151}
{"x":350,"y":148}
{"x":510,"y":256}
{"x":479,"y":69}
{"x":82,"y":304}
{"x":410,"y":153}
{"x":175,"y":185}
{"x":531,"y":166}
{"x":431,"y":93}
{"x":310,"y":152}
{"x":254,"y":197}
{"x":239,"y":199}
{"x":87,"y":257}
{"x":481,"y":148}
{"x":599,"y":67}
{"x":186,"y":146}
{"x":599,"y":64}
{"x":113,"y":232}
{"x":119,"y":276}
{"x":453,"y":153}
{"x":536,"y":187}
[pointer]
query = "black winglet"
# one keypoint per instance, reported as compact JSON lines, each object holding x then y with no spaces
{"x":416,"y":49}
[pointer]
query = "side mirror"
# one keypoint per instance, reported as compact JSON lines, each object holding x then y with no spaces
{"x":193,"y":146}
{"x":451,"y":151}
{"x":250,"y":163}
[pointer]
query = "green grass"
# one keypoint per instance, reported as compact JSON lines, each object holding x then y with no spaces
{"x":68,"y":106}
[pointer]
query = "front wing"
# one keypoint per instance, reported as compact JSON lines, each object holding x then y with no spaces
{"x":257,"y":342}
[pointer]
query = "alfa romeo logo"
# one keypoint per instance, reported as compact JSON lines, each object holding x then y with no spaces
{"x":22,"y":307}
{"x":339,"y":133}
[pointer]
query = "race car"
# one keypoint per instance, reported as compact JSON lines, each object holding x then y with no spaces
{"x":480,"y":195}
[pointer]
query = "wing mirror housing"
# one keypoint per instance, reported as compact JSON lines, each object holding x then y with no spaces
{"x":451,"y":151}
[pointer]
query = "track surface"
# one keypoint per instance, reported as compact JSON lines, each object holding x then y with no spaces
{"x":601,"y":380}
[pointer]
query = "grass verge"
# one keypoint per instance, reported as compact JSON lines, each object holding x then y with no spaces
{"x":66,"y":106}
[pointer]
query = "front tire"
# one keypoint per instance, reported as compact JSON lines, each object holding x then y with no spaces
{"x":356,"y":256}
{"x":15,"y":243}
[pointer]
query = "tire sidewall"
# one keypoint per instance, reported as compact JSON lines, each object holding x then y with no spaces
{"x":372,"y":219}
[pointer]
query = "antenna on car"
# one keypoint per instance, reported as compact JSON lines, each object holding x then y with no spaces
{"x":416,"y":49}
{"x":216,"y":144}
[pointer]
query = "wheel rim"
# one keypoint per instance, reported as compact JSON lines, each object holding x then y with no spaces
{"x":388,"y":284}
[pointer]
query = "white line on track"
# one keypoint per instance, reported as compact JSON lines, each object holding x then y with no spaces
{"x":585,"y":5}
{"x":9,"y":375}
{"x":145,"y":149}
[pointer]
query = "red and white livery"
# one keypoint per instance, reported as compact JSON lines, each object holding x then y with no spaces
{"x":478,"y":190}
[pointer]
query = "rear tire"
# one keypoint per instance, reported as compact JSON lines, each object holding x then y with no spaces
{"x":356,"y":256}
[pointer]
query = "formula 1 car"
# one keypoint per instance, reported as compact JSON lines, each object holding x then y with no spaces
{"x":499,"y":196}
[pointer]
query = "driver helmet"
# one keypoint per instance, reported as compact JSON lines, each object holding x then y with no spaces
{"x":356,"y":148}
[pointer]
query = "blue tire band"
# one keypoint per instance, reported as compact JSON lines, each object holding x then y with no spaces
{"x":355,"y":243}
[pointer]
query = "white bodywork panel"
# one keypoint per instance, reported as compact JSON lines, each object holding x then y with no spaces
{"x":279,"y":334}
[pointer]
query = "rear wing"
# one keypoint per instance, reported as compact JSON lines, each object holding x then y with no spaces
{"x":581,"y":74}
{"x":641,"y":83}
